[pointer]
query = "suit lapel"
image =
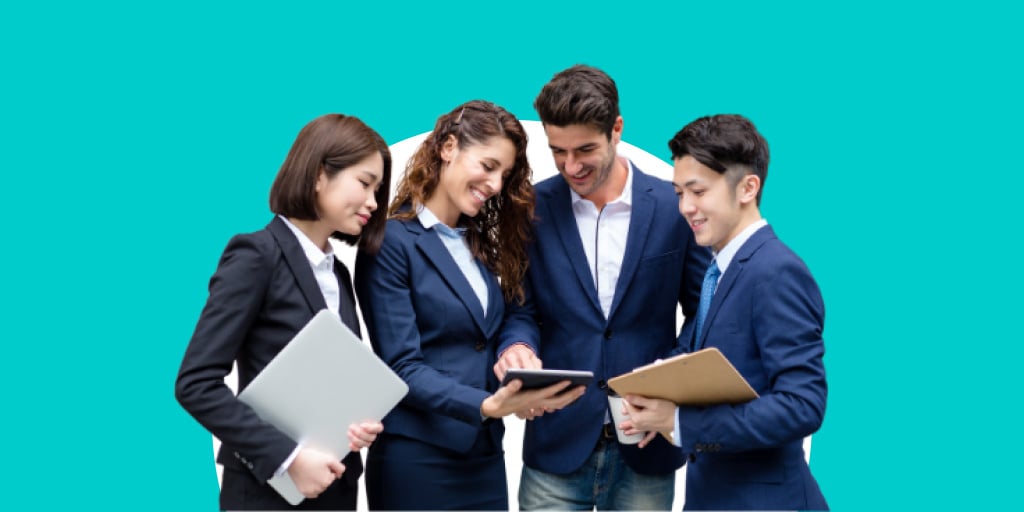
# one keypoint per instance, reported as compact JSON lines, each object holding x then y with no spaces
{"x":347,"y":303}
{"x":640,"y":218}
{"x":437,"y":254}
{"x":564,"y":221}
{"x":495,"y":302}
{"x":298,"y":263}
{"x":732,"y":274}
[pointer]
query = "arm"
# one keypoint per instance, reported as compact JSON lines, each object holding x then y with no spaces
{"x":519,"y":340}
{"x":787,"y":318}
{"x":237,"y":290}
{"x":383,"y":286}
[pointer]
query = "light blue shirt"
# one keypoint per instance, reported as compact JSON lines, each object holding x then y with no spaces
{"x":454,"y":241}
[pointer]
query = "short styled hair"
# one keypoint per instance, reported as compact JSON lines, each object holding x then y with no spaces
{"x":581,"y":95}
{"x":329,"y":144}
{"x":724,"y":142}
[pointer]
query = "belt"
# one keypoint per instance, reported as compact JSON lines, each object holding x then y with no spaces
{"x":608,"y":431}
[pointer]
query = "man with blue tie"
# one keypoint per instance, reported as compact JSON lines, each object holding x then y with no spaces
{"x":610,"y":262}
{"x":762,"y":309}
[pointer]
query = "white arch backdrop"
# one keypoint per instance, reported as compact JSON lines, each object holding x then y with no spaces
{"x":539,"y":155}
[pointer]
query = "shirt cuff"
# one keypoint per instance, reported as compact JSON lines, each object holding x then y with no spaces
{"x":288,"y":462}
{"x":677,"y":439}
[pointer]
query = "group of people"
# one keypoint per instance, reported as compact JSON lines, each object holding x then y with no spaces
{"x":472,"y":270}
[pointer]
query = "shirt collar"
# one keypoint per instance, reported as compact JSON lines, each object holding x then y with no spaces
{"x":627,"y":191}
{"x":724,"y":257}
{"x":315,"y":256}
{"x":430,"y":221}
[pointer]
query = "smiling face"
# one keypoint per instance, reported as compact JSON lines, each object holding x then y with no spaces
{"x":716,"y":210}
{"x":346,"y":200}
{"x":471,"y":175}
{"x":583,"y":155}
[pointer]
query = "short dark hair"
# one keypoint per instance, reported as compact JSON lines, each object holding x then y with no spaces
{"x":722,"y":142}
{"x":579,"y":95}
{"x":330,"y":143}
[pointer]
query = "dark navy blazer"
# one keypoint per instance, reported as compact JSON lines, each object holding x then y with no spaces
{"x":564,"y":324}
{"x":263,"y":292}
{"x":427,"y":324}
{"x":767,"y":317}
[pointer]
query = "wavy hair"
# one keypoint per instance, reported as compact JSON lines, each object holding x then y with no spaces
{"x":499,"y":233}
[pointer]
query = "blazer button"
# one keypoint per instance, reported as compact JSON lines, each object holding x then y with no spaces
{"x":607,"y":334}
{"x":602,"y":384}
{"x":480,"y":346}
{"x":693,"y":457}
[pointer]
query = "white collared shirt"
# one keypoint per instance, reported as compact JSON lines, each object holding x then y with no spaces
{"x":455,"y":242}
{"x":604,"y":234}
{"x":723,"y":259}
{"x":322,"y":264}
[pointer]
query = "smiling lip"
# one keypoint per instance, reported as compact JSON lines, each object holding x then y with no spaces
{"x":479,"y":196}
{"x":697,"y":224}
{"x":364,"y":219}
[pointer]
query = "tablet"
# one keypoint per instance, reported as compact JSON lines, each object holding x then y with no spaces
{"x":533,"y":379}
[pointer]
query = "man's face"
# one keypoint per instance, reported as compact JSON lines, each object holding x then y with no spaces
{"x":583,"y":155}
{"x":708,"y":202}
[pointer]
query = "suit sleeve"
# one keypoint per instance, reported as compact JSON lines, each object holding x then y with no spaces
{"x":237,"y":292}
{"x":787,"y":317}
{"x":383,"y":287}
{"x":520,"y":324}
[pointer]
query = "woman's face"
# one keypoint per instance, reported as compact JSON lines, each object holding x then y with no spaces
{"x":346,"y":200}
{"x":472,"y":176}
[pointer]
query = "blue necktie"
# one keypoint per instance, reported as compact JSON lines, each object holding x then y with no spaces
{"x":707,"y":291}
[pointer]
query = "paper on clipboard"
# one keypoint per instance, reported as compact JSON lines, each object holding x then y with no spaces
{"x":700,"y":378}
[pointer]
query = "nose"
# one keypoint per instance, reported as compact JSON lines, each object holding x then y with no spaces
{"x":572,"y":164}
{"x":686,"y":207}
{"x":494,"y":182}
{"x":371,"y":201}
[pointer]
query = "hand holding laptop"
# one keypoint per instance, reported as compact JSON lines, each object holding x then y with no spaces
{"x":314,"y":471}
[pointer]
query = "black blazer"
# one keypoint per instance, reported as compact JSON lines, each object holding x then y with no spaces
{"x":261,"y":295}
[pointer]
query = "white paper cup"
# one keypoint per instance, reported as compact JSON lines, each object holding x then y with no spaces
{"x":616,"y":406}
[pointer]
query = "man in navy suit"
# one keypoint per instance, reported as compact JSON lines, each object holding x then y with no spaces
{"x":765,"y":313}
{"x":609,"y":264}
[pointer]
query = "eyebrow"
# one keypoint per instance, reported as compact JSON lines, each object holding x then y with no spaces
{"x":369,"y":174}
{"x":583,"y":147}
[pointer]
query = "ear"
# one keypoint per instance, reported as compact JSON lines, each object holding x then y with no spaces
{"x":747,"y":188}
{"x":448,"y":148}
{"x":321,"y":180}
{"x":617,"y":131}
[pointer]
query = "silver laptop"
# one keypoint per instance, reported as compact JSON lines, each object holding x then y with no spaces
{"x":324,"y":380}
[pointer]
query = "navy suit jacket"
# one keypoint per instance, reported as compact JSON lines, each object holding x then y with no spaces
{"x":425,"y":321}
{"x":563,"y":322}
{"x":767,"y":317}
{"x":261,"y":295}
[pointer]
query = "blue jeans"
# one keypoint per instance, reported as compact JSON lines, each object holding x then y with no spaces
{"x":604,"y":482}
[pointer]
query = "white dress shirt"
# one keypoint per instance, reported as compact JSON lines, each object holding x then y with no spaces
{"x":322,"y":264}
{"x":604,"y":235}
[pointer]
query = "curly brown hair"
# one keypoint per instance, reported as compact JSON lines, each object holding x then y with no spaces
{"x":499,"y":233}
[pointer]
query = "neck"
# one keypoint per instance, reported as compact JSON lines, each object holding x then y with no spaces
{"x":444,"y":211}
{"x":612,"y":187}
{"x":315,"y":230}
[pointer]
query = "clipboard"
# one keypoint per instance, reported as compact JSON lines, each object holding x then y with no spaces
{"x":322,"y":381}
{"x":700,"y":378}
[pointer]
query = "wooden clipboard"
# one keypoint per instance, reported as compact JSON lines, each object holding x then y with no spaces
{"x":700,"y":378}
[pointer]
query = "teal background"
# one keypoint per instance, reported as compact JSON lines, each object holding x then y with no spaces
{"x":137,"y":138}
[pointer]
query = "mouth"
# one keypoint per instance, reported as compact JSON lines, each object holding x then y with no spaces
{"x":479,"y":196}
{"x":363,"y":218}
{"x":582,"y":175}
{"x":695,"y":225}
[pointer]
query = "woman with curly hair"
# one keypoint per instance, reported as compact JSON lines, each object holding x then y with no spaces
{"x":434,"y":297}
